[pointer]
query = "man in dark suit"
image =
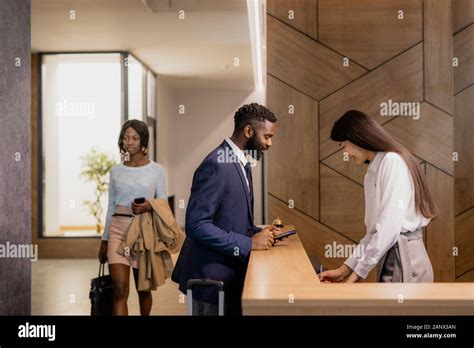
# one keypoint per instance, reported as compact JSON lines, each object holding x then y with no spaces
{"x":219,"y":217}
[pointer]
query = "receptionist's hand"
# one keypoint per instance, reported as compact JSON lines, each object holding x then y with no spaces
{"x":353,"y":278}
{"x":335,"y":275}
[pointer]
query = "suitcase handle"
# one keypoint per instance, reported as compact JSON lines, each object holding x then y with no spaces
{"x":205,"y":282}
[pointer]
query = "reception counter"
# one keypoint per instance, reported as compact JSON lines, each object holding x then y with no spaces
{"x":282,"y":281}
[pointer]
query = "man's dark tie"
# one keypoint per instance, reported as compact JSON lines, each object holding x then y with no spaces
{"x":248,"y":173}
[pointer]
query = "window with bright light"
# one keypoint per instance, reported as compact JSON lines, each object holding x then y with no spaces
{"x":81,"y":112}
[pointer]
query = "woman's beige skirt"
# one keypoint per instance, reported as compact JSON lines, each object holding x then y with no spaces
{"x":117,"y":234}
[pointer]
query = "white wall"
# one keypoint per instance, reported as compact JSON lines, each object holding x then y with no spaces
{"x":165,"y":111}
{"x":185,"y":139}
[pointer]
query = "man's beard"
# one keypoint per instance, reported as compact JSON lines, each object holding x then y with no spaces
{"x":254,"y":148}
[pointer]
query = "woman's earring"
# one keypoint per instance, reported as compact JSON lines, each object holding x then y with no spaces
{"x":144,"y":150}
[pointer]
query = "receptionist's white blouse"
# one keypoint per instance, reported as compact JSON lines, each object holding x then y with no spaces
{"x":389,"y":210}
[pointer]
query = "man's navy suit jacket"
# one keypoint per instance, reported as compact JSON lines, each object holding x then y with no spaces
{"x":219,"y":223}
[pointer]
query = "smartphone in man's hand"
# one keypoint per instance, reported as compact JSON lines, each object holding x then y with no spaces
{"x":284,"y":235}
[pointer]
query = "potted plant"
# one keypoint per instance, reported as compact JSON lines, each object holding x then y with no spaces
{"x":96,"y":166}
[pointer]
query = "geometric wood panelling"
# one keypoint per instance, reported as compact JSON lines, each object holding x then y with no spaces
{"x":342,"y":205}
{"x":438,"y":46}
{"x":466,"y":277}
{"x":401,"y":79}
{"x":429,"y":137}
{"x":347,"y":168}
{"x":463,"y":76}
{"x":465,"y":242}
{"x":440,"y":231}
{"x":305,"y":64}
{"x":301,"y":183}
{"x":464,"y":146}
{"x":351,"y":170}
{"x":464,"y":51}
{"x":313,"y":234}
{"x":369,"y":31}
{"x":463,"y":13}
{"x":304,"y":13}
{"x":408,"y":60}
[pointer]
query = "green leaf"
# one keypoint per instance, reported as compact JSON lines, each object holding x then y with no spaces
{"x":96,"y":167}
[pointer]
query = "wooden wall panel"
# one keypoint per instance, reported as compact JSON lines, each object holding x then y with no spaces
{"x":438,"y":47}
{"x":346,"y":168}
{"x":301,"y":127}
{"x":465,"y":242}
{"x":303,"y":63}
{"x":316,"y":238}
{"x":466,"y":277}
{"x":463,"y":13}
{"x":463,"y":29}
{"x":313,"y":235}
{"x":400,"y":79}
{"x":341,"y":204}
{"x":370,"y":31}
{"x":409,"y":62}
{"x":464,"y":52}
{"x":303,"y":17}
{"x":440,"y":232}
{"x":464,"y":146}
{"x":418,"y":136}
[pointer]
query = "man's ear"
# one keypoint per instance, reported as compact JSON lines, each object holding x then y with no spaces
{"x":248,"y":131}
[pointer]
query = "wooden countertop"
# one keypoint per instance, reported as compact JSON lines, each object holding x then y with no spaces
{"x":282,"y":281}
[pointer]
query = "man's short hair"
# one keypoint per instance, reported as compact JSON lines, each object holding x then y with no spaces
{"x":250,"y":114}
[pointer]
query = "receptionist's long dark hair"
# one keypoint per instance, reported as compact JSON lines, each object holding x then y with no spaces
{"x":365,"y":132}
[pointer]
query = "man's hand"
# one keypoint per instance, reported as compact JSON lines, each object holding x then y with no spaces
{"x":141,"y":208}
{"x":263,"y":240}
{"x":272,"y":229}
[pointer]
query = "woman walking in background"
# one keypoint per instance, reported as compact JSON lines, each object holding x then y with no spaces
{"x":137,"y":177}
{"x":398,"y":204}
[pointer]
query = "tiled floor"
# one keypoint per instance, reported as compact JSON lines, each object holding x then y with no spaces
{"x":61,"y":287}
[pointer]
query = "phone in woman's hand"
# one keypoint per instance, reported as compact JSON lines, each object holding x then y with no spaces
{"x":140,"y":200}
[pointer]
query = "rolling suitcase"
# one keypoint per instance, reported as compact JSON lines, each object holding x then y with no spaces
{"x":205,"y":282}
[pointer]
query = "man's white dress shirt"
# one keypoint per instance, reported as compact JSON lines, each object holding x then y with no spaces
{"x":241,"y":156}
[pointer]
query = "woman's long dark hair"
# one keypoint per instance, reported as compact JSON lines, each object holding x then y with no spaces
{"x":365,"y":132}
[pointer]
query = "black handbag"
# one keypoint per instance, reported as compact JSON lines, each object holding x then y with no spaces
{"x":178,"y":268}
{"x":101,"y":293}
